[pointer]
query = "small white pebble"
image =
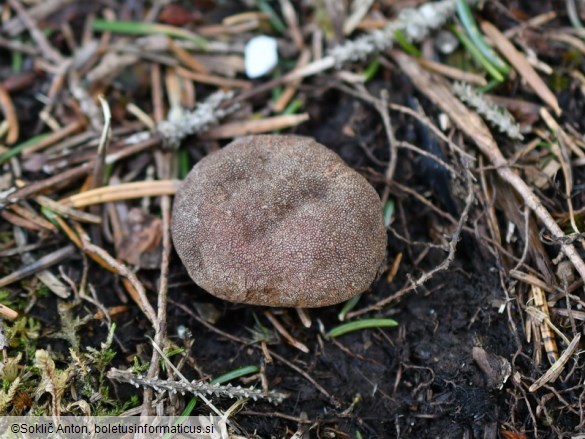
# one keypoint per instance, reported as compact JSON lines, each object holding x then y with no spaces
{"x":260,"y":56}
{"x":446,"y":42}
{"x":182,"y":332}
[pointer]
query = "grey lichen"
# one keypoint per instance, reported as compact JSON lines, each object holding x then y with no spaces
{"x":414,"y":23}
{"x":279,"y":221}
{"x":197,"y":388}
{"x":496,"y":115}
{"x":207,"y":113}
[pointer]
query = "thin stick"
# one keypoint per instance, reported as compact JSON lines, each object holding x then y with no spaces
{"x":125,"y":272}
{"x":161,"y":317}
{"x":41,"y":264}
{"x":46,"y":48}
{"x":98,"y":168}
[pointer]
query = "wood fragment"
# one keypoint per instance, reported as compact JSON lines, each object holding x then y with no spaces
{"x":7,"y":313}
{"x":394,"y":268}
{"x":112,"y":311}
{"x":187,"y":58}
{"x":545,"y":324}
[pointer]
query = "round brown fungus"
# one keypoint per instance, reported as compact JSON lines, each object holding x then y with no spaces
{"x":279,"y":221}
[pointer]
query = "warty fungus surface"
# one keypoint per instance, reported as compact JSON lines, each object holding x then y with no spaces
{"x":279,"y":220}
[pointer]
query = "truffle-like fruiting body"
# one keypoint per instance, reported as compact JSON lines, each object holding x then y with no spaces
{"x":279,"y":221}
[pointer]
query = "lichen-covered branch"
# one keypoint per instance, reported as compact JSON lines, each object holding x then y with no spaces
{"x":197,"y":388}
{"x":415,"y":24}
{"x":207,"y":113}
{"x":496,"y":115}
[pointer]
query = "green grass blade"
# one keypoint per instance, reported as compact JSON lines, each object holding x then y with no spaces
{"x":477,"y":55}
{"x":273,"y":17}
{"x":371,"y":70}
{"x":388,"y":212}
{"x":361,"y":324}
{"x":186,"y":413}
{"x":406,"y":45}
{"x":293,"y":107}
{"x":237,"y":373}
{"x":21,"y":147}
{"x":184,"y":166}
{"x":17,"y":59}
{"x":348,"y":306}
{"x":139,"y":28}
{"x":466,"y":17}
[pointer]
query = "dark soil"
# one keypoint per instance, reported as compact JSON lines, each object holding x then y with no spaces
{"x":418,"y":380}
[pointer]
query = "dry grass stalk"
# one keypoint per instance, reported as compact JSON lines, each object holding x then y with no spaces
{"x":540,"y":312}
{"x":244,"y":128}
{"x":521,"y":65}
{"x":282,"y":331}
{"x":41,"y":264}
{"x":553,"y":373}
{"x":7,"y":107}
{"x":122,"y":192}
{"x":453,"y":72}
